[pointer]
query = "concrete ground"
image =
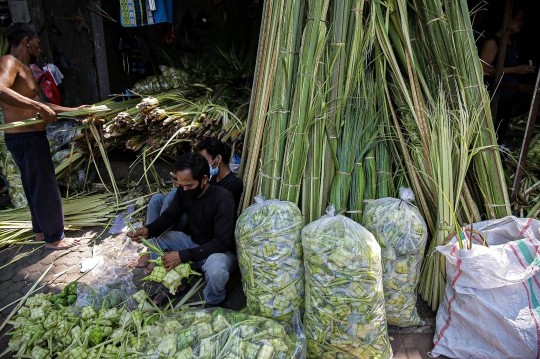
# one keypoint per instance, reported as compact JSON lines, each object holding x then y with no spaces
{"x":18,"y":278}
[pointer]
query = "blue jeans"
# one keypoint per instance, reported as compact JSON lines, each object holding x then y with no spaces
{"x":216,"y":268}
{"x":158,"y":204}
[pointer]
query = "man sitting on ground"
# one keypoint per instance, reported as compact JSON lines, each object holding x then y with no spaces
{"x":218,"y":155}
{"x":208,"y":236}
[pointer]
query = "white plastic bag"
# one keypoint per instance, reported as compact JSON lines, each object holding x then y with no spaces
{"x":402,"y":233}
{"x":491,"y":305}
{"x":270,"y":258}
{"x":344,"y":315}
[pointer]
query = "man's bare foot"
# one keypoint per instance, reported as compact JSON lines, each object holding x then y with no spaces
{"x":39,"y":237}
{"x":63,"y":244}
{"x":144,"y":260}
{"x":149,"y":269}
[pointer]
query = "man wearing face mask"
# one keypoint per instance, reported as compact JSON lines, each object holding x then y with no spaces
{"x":208,"y":236}
{"x":20,"y":100}
{"x":218,"y":155}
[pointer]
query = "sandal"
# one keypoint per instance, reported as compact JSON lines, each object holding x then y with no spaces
{"x":163,"y":295}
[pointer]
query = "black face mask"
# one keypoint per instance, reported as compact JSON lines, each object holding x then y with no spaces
{"x":33,"y":58}
{"x":193,"y":193}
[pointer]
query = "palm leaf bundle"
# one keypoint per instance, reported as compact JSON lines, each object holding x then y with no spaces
{"x":79,"y":212}
{"x":437,"y":113}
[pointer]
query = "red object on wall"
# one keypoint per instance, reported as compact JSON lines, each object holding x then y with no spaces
{"x":50,"y":89}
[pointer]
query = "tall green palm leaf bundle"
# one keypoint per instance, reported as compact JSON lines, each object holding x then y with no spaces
{"x":279,"y":110}
{"x":265,"y":73}
{"x":358,"y":138}
{"x":305,"y":101}
{"x":436,"y":118}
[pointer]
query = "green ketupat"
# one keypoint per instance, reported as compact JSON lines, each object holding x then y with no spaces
{"x":402,"y":234}
{"x":270,"y":258}
{"x":171,"y":279}
{"x":220,"y":333}
{"x":344,"y":316}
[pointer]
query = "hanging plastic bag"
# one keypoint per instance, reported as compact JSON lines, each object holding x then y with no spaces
{"x":345,"y":315}
{"x":55,"y":72}
{"x":220,"y":333}
{"x":50,"y":89}
{"x":402,"y":233}
{"x":270,"y":258}
{"x":490,"y":308}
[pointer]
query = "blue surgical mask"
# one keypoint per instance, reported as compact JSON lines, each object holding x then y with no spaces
{"x":213,"y":171}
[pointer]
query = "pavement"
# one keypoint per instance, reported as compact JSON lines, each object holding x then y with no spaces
{"x":19,"y":276}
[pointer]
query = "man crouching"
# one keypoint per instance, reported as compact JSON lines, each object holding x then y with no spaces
{"x":208,"y":236}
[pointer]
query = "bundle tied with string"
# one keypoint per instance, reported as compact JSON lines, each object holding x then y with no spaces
{"x":402,"y":234}
{"x":345,"y":315}
{"x":270,"y":258}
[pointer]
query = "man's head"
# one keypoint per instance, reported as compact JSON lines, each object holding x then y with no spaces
{"x":215,"y":152}
{"x":23,"y":37}
{"x":192,"y":174}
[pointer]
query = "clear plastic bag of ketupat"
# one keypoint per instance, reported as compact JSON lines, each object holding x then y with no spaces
{"x":402,"y":233}
{"x":221,"y":333}
{"x":344,"y":312}
{"x":270,"y":257}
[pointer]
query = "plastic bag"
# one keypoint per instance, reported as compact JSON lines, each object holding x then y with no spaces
{"x":111,"y":281}
{"x":61,"y":133}
{"x":344,"y":315}
{"x":50,"y":89}
{"x":490,"y":308}
{"x":220,"y":333}
{"x":270,"y":258}
{"x":402,"y":233}
{"x":170,"y":79}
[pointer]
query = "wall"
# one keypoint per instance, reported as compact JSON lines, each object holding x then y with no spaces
{"x":71,"y":29}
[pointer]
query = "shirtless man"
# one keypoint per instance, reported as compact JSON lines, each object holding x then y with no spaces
{"x":20,"y":100}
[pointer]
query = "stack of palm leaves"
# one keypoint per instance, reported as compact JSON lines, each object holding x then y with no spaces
{"x":82,"y":211}
{"x":182,"y":116}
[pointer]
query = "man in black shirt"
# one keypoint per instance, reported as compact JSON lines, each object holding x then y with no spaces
{"x":218,"y":155}
{"x":208,"y":236}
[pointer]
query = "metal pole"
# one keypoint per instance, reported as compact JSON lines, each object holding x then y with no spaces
{"x":500,"y":59}
{"x":533,"y":113}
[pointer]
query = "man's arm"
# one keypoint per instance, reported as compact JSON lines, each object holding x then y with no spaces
{"x":223,"y":236}
{"x":168,"y":218}
{"x":60,"y":109}
{"x":8,"y":73}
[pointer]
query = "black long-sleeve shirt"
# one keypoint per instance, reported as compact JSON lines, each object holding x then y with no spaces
{"x":231,"y":183}
{"x":210,"y":222}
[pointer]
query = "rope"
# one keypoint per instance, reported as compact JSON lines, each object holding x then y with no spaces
{"x":269,"y":177}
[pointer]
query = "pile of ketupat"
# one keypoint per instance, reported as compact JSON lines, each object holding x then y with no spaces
{"x":345,"y":313}
{"x":171,"y":279}
{"x":42,"y":330}
{"x":270,"y":258}
{"x":219,"y":333}
{"x":401,"y":232}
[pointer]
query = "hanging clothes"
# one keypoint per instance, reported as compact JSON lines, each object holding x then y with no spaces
{"x":163,"y":12}
{"x":134,"y":13}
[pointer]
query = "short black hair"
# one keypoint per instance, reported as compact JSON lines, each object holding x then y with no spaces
{"x":215,"y":147}
{"x":17,"y":31}
{"x":196,"y":163}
